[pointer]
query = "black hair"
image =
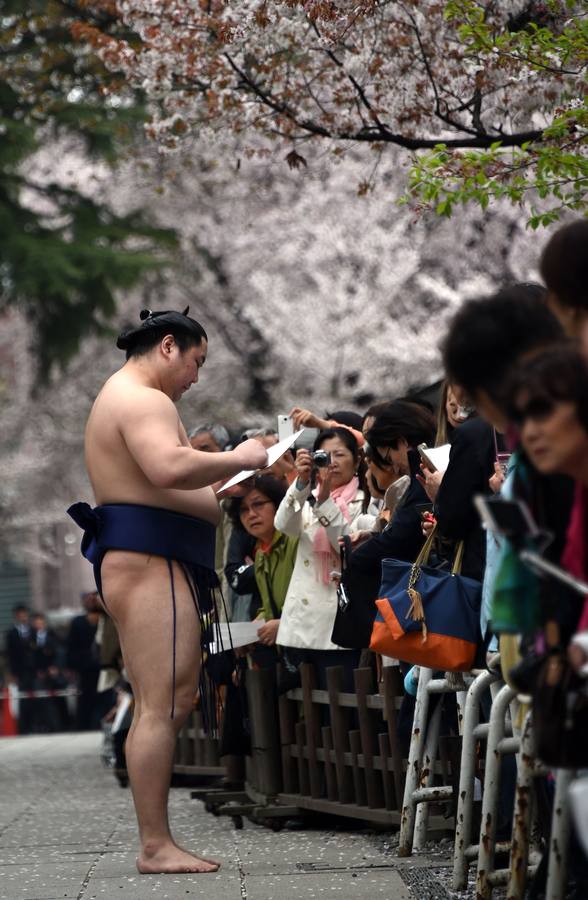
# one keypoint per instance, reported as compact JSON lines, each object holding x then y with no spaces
{"x":556,"y":375}
{"x":376,"y":409}
{"x":20,"y":607}
{"x":347,"y":417}
{"x":344,"y":435}
{"x":186,"y":332}
{"x":272,"y":488}
{"x":564,"y":264}
{"x":401,"y":420}
{"x":489,"y":334}
{"x":349,"y":440}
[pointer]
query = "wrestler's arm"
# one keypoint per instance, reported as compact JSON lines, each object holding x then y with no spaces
{"x":150,"y":428}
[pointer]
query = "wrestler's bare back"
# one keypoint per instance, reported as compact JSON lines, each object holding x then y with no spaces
{"x":115,"y":474}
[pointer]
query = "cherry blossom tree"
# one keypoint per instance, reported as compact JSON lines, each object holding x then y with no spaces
{"x":485,"y":100}
{"x":311,"y":294}
{"x":315,"y":294}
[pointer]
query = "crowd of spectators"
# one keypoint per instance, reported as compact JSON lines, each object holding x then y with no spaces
{"x":512,"y":413}
{"x":513,"y":410}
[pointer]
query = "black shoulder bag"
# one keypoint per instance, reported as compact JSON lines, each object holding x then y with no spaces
{"x":356,"y":609}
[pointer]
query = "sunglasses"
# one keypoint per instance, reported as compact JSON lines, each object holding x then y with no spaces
{"x":538,"y":409}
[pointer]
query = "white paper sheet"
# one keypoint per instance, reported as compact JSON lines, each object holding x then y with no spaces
{"x":241,"y":634}
{"x":273,"y":455}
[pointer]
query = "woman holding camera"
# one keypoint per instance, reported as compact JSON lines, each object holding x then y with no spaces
{"x":318,"y":516}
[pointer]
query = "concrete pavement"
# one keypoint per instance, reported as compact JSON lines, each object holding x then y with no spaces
{"x":67,"y":830}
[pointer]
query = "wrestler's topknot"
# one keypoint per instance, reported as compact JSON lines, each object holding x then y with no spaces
{"x":154,"y":326}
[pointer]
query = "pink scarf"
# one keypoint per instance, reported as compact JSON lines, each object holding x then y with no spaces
{"x":325,"y":556}
{"x":576,"y":549}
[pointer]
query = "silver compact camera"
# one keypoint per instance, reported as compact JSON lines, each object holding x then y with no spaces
{"x":321,"y":459}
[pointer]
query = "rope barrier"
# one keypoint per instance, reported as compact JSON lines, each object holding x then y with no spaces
{"x":34,"y":695}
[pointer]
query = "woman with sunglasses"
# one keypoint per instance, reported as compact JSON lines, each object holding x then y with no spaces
{"x":550,"y":407}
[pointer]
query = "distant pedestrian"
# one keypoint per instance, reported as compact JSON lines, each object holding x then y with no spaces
{"x":51,"y":713}
{"x":83,"y":657}
{"x":21,"y":664}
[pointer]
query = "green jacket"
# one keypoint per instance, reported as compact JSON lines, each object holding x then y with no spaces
{"x":273,"y":571}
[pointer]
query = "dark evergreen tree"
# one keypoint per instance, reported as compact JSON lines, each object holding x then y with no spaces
{"x":63,"y":253}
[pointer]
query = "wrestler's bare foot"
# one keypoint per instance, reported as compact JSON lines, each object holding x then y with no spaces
{"x":168,"y":858}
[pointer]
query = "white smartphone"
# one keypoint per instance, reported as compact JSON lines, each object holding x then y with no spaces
{"x":285,"y":427}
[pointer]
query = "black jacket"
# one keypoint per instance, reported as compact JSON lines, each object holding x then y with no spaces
{"x":241,"y":576}
{"x":47,"y":654}
{"x":471,"y":465}
{"x":82,"y":652}
{"x":21,"y":657}
{"x":402,"y":539}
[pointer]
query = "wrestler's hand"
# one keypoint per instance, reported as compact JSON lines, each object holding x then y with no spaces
{"x":268,"y":632}
{"x":251,"y":454}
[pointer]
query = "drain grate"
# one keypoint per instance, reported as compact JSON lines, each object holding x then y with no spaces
{"x":425,"y":883}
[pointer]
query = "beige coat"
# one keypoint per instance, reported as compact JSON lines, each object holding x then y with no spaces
{"x":310,"y":606}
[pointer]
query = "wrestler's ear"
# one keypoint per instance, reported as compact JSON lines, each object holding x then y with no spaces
{"x":168,"y":343}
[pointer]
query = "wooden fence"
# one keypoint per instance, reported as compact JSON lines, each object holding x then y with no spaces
{"x":340,"y":752}
{"x":317,"y":750}
{"x":196,"y":752}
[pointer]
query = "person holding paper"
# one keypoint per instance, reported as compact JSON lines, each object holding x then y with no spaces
{"x":274,"y":553}
{"x":151,"y":541}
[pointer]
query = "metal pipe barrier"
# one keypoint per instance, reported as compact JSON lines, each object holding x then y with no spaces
{"x":560,"y":837}
{"x":498,"y":744}
{"x":421,"y":762}
{"x":473,"y":731}
{"x":528,"y":769}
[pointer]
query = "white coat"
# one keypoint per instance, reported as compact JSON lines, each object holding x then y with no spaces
{"x":310,"y":606}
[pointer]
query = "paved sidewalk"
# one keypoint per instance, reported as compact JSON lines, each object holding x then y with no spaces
{"x":67,"y":830}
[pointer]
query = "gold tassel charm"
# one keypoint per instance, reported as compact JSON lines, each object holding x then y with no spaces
{"x":416,"y":610}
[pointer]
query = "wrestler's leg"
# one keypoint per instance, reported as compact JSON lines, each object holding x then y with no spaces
{"x":138,"y":594}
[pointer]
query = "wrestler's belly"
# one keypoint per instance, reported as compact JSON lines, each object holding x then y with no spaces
{"x":202,"y":503}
